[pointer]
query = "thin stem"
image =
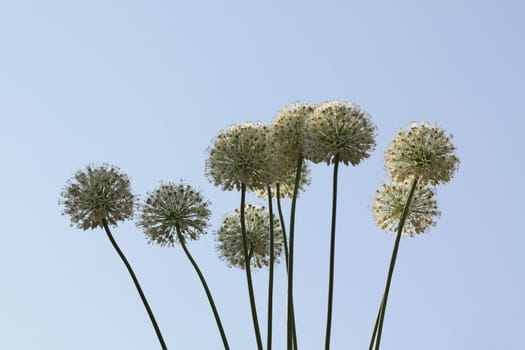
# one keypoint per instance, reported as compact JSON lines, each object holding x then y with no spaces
{"x":281,"y":220}
{"x":285,"y":243}
{"x":137,"y":284}
{"x":205,"y":285}
{"x":332,"y":256}
{"x":270,"y":277}
{"x":290,"y":315}
{"x":376,"y":325}
{"x":248,"y":272}
{"x":404,"y":216}
{"x":250,"y":253}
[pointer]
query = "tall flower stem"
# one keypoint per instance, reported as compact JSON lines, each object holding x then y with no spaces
{"x":137,"y":284}
{"x":382,"y":308}
{"x":290,"y":314}
{"x":332,"y":255}
{"x":205,"y":285}
{"x":285,"y":243}
{"x":376,"y":325}
{"x":248,"y":272}
{"x":270,"y":277}
{"x":281,"y":219}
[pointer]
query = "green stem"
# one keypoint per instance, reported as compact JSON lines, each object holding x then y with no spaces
{"x":248,"y":272}
{"x":404,"y":216}
{"x":332,"y":256}
{"x":285,"y":243}
{"x":250,"y":253}
{"x":376,"y":325}
{"x":281,"y":219}
{"x":205,"y":285}
{"x":290,"y":315}
{"x":270,"y":278}
{"x":137,"y":284}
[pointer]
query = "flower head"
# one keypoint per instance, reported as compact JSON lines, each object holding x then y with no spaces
{"x":96,"y":194}
{"x":170,"y":208}
{"x":287,"y":129}
{"x":423,"y":151}
{"x":389,"y":204}
{"x":339,"y":129}
{"x":286,"y":182}
{"x":229,"y":238}
{"x":240,"y":155}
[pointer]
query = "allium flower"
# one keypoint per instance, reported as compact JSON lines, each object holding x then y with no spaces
{"x":339,"y":128}
{"x":241,"y":155}
{"x":229,"y":238}
{"x":287,"y":182}
{"x":171,"y":206}
{"x":423,"y":151}
{"x":390,"y":201}
{"x":287,"y":129}
{"x":97,"y":193}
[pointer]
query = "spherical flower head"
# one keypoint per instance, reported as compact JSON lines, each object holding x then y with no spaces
{"x":423,"y":151}
{"x":229,"y":238}
{"x":171,"y":207}
{"x":286,"y":182}
{"x":97,"y":193}
{"x":390,"y":201}
{"x":339,"y":129}
{"x":287,"y":129}
{"x":240,"y":155}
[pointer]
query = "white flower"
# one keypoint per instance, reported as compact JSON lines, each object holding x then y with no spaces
{"x":339,"y":129}
{"x":95,"y":194}
{"x":286,"y":182}
{"x":390,"y":201}
{"x":229,"y":238}
{"x":241,"y":155}
{"x":171,"y":207}
{"x":288,"y":128}
{"x":423,"y":151}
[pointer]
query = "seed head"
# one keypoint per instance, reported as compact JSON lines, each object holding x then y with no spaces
{"x":287,"y":129}
{"x":287,"y":182}
{"x":240,"y":155}
{"x":390,"y":201}
{"x":424,"y":151}
{"x":171,"y":207}
{"x":229,"y":238}
{"x":97,"y":193}
{"x":339,"y":128}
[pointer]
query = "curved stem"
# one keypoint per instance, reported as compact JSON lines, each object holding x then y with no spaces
{"x":332,"y":256}
{"x":248,"y":272}
{"x":205,"y":285}
{"x":281,"y":220}
{"x":290,"y":315}
{"x":285,"y":243}
{"x":137,"y":284}
{"x":393,"y":261}
{"x":270,"y":277}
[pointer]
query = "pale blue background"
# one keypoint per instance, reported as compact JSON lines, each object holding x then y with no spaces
{"x":146,"y":85}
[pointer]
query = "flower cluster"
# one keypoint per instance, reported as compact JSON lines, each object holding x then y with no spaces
{"x":170,"y":208}
{"x":423,"y":151}
{"x":339,"y":129}
{"x":390,"y":202}
{"x":96,"y":194}
{"x":257,"y":220}
{"x":287,"y":129}
{"x":286,"y":182}
{"x":241,"y":155}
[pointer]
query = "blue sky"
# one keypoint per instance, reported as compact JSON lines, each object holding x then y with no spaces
{"x":147,"y":85}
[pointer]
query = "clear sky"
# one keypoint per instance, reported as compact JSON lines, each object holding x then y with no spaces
{"x":146,"y":85}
